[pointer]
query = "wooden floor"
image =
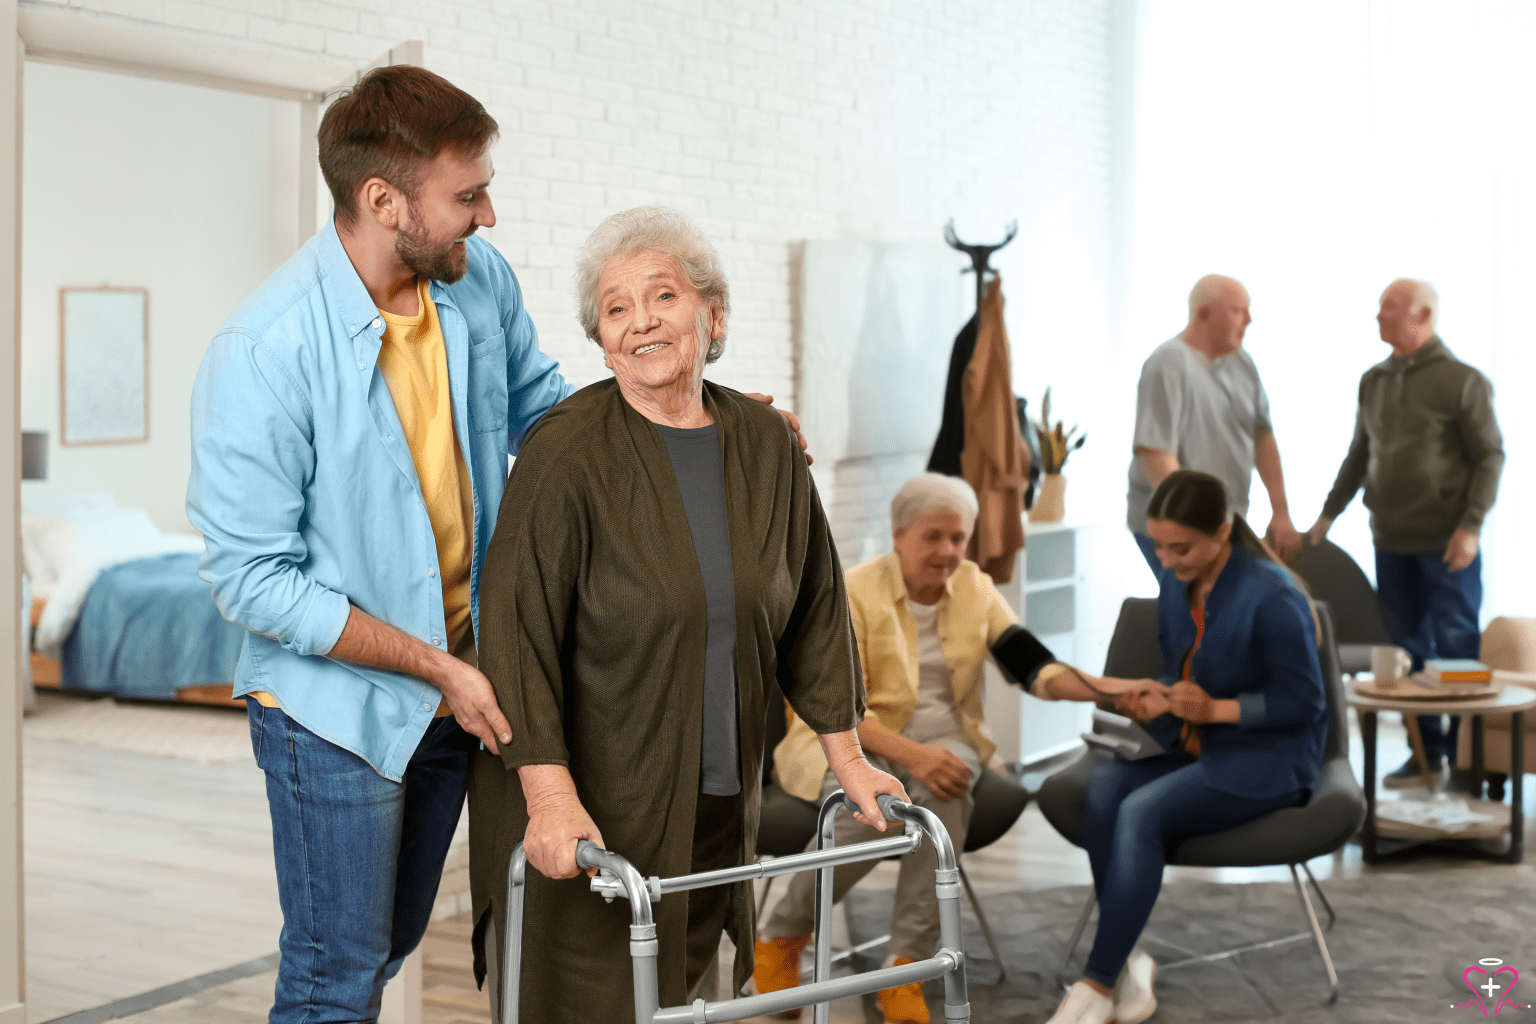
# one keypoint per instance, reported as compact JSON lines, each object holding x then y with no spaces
{"x":141,"y":872}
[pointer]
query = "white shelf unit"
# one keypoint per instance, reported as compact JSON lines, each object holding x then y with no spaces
{"x":1066,"y":590}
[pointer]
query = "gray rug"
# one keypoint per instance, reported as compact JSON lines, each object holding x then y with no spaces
{"x":1401,"y":945}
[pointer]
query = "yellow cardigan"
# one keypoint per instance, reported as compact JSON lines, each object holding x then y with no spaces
{"x":972,"y":615}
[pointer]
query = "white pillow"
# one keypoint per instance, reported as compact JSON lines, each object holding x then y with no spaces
{"x":47,"y":546}
{"x":111,"y":531}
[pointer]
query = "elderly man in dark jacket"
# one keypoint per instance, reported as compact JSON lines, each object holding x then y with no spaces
{"x":1429,"y":452}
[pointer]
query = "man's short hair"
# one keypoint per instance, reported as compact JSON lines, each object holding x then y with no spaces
{"x":390,"y":125}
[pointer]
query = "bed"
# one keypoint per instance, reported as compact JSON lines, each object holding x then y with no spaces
{"x":120,"y":607}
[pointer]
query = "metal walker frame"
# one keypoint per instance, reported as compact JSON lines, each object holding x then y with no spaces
{"x":618,"y":877}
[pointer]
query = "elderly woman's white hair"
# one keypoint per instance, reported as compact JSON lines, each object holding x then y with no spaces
{"x":654,"y":229}
{"x":933,"y":492}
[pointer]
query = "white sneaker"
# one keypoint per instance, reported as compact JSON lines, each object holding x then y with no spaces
{"x":1134,"y":1001}
{"x":1082,"y":1005}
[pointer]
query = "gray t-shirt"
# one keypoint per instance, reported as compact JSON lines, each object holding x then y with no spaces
{"x":1204,"y":412}
{"x":695,"y":455}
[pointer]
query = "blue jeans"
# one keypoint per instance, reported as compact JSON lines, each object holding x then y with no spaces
{"x":1148,"y":548}
{"x":358,"y":861}
{"x":1134,"y":812}
{"x":1431,"y":612}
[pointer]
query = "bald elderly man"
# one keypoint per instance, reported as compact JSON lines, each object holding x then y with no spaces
{"x":1200,"y":405}
{"x":1429,"y":452}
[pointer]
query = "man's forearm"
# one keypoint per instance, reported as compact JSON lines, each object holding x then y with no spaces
{"x":375,"y":644}
{"x":1156,"y":464}
{"x":1266,"y":459}
{"x":1350,"y":476}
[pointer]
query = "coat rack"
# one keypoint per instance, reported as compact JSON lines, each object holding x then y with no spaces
{"x":980,"y":255}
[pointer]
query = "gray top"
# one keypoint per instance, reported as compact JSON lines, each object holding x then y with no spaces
{"x":695,"y":455}
{"x":1427,"y":448}
{"x":1204,"y":412}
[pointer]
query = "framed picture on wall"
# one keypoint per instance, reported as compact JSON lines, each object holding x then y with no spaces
{"x":103,"y":365}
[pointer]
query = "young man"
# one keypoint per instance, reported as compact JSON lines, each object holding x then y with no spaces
{"x":350,"y":431}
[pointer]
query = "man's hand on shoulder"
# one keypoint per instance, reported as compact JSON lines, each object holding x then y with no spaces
{"x":791,"y":419}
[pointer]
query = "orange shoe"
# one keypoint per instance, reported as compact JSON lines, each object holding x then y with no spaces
{"x":777,"y":967}
{"x":903,"y":1004}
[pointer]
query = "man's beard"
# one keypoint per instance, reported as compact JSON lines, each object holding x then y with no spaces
{"x":433,"y":262}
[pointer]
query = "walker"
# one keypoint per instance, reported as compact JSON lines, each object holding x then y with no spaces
{"x":618,"y":877}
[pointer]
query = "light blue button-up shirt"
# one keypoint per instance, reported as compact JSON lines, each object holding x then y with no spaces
{"x":303,"y":486}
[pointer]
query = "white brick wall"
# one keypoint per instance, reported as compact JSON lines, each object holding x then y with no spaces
{"x":769,"y":122}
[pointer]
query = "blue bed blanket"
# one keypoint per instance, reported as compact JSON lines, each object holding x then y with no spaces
{"x":148,"y":628}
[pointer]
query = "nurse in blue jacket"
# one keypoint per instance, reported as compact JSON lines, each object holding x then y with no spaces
{"x":1240,"y":711}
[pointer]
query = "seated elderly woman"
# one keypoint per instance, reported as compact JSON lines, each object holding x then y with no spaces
{"x":660,"y":559}
{"x":926,"y":619}
{"x":1240,"y":710}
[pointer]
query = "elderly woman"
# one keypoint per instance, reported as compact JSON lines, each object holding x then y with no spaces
{"x":661,"y":558}
{"x":926,"y":620}
{"x":1240,"y":710}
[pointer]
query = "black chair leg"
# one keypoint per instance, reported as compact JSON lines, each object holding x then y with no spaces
{"x":1077,"y":932}
{"x":763,"y":900}
{"x":1332,"y":917}
{"x":986,"y":928}
{"x":1317,"y":934}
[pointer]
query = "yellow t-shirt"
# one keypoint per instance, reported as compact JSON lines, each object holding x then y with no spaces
{"x":414,"y":361}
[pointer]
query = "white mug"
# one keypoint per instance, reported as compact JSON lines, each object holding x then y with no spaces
{"x":1388,"y":662}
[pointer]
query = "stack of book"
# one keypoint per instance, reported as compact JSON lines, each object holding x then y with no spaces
{"x":1457,"y":674}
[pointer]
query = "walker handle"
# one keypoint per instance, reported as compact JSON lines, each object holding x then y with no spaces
{"x":587,"y":854}
{"x":884,"y":801}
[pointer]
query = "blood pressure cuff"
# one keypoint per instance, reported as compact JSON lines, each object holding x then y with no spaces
{"x":1020,"y":656}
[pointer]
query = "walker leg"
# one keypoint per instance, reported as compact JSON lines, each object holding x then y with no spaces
{"x":821,"y":1013}
{"x":512,"y":937}
{"x":642,"y":951}
{"x":957,"y":999}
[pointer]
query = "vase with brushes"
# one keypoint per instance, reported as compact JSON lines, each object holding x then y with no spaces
{"x":1055,"y":445}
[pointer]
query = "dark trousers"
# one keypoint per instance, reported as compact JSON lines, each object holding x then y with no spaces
{"x":1431,"y":612}
{"x":1134,"y":812}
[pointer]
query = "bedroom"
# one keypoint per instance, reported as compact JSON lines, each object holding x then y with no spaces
{"x":106,"y":523}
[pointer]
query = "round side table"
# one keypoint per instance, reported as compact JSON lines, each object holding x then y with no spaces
{"x":1513,"y":701}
